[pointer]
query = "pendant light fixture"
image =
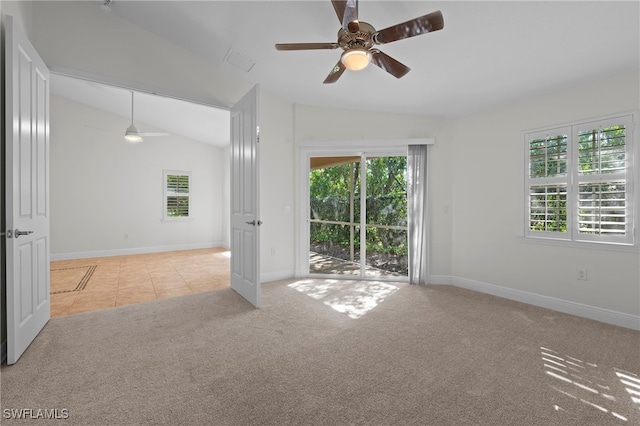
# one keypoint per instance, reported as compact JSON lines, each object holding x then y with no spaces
{"x":132,"y":134}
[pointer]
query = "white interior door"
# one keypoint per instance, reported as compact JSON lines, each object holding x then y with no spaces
{"x":27,"y":193}
{"x":245,"y":214}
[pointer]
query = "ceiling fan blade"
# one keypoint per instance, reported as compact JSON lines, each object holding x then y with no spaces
{"x":339,"y":6}
{"x":153,"y":134}
{"x":335,"y":73}
{"x":350,"y":18}
{"x":387,"y":63}
{"x":422,"y":25}
{"x":306,"y":46}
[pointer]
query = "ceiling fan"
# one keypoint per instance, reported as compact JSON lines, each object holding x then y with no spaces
{"x":358,"y":38}
{"x":132,"y":133}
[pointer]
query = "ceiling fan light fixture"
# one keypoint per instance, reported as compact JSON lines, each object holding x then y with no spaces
{"x":356,"y":58}
{"x":132,"y":134}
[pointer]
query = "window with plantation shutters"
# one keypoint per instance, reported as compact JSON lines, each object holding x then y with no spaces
{"x":177,"y":195}
{"x":579,"y":182}
{"x":547,"y":190}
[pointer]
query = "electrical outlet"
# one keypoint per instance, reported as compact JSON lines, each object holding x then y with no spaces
{"x":582,"y":274}
{"x":273,"y":251}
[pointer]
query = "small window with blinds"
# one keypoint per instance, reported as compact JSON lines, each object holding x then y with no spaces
{"x":177,"y":195}
{"x":579,"y":182}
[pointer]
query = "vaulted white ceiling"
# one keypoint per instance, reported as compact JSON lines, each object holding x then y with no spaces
{"x":193,"y":121}
{"x":487,"y":53}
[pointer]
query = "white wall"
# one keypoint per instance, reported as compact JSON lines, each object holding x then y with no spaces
{"x":277,"y":183}
{"x":106,"y":194}
{"x":487,"y":175}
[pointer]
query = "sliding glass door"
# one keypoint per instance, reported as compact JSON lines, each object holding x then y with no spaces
{"x":386,"y":216}
{"x":354,"y":199}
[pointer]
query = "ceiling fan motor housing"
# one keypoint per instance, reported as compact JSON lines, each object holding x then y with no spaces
{"x":363,"y":38}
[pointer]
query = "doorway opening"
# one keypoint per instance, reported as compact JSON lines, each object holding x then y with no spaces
{"x":114,"y":240}
{"x":355,"y":199}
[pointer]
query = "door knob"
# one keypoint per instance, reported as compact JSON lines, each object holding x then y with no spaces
{"x":254,"y":223}
{"x":17,"y":233}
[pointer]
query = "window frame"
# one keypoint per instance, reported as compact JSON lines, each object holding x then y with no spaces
{"x":573,"y":179}
{"x":166,"y":194}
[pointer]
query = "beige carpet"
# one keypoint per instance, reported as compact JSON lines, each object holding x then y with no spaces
{"x":329,"y":352}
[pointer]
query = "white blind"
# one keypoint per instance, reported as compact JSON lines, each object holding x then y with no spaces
{"x":177,"y":195}
{"x":602,"y":150}
{"x":548,"y":156}
{"x":602,"y":208}
{"x":177,"y":184}
{"x":548,"y":208}
{"x":603,"y":200}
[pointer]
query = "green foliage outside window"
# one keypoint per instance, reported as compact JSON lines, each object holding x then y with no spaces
{"x":386,"y":204}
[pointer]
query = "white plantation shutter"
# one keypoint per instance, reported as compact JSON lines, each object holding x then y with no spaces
{"x":579,"y":182}
{"x":177,"y":195}
{"x":604,"y":166}
{"x":548,"y":208}
{"x":547,"y":179}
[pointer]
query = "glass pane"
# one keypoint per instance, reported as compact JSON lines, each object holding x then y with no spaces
{"x":548,"y":208}
{"x":602,"y":150}
{"x":387,"y":191}
{"x":548,"y":156}
{"x":387,"y":212}
{"x":177,"y":184}
{"x":334,"y":191}
{"x":178,"y":206}
{"x":602,"y":208}
{"x":330,"y":250}
{"x":330,"y":192}
{"x":387,"y":252}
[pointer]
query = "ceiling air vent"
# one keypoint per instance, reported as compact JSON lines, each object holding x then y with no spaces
{"x":239,"y":60}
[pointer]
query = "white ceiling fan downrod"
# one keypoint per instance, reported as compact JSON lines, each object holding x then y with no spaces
{"x":132,"y":134}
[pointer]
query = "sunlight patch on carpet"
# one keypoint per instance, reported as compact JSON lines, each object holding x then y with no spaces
{"x":354,"y":298}
{"x":584,"y":382}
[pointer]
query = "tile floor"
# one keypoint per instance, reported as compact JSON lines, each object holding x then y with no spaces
{"x":85,"y":285}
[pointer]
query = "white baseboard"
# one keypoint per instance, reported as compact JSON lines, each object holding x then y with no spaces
{"x":440,"y":280}
{"x":138,"y":250}
{"x":586,"y":311}
{"x":266,"y":277}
